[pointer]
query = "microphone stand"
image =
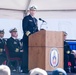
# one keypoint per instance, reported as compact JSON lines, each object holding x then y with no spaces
{"x":42,"y":25}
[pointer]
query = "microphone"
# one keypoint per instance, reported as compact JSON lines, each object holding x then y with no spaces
{"x":42,"y":20}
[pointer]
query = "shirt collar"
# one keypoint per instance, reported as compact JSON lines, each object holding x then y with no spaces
{"x":32,"y":16}
{"x":14,"y":38}
{"x":1,"y":38}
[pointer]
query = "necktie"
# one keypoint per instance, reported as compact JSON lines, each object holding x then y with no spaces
{"x":34,"y":20}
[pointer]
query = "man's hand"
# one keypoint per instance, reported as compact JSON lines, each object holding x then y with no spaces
{"x":28,"y":33}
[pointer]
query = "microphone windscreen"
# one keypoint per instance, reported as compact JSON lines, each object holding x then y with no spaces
{"x":40,"y":19}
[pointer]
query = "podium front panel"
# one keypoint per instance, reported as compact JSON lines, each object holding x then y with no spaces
{"x":46,"y":50}
{"x":36,"y":57}
{"x":54,"y":58}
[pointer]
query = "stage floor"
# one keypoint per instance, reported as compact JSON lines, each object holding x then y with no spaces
{"x":48,"y":74}
{"x":20,"y":74}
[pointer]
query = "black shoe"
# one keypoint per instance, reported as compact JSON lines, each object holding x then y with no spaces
{"x":25,"y":71}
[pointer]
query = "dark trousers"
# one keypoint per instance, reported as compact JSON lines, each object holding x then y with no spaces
{"x":72,"y":60}
{"x":14,"y":62}
{"x":2,"y":59}
{"x":16,"y":54}
{"x":25,"y":54}
{"x":67,"y":58}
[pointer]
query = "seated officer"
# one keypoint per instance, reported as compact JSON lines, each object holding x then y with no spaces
{"x":13,"y":44}
{"x":2,"y":50}
{"x":67,"y":55}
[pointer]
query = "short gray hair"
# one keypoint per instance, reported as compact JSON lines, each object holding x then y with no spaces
{"x":4,"y":70}
{"x":38,"y":71}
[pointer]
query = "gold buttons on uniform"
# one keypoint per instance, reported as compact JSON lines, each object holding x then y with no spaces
{"x":60,"y":73}
{"x":17,"y":50}
{"x":1,"y":49}
{"x":68,"y":52}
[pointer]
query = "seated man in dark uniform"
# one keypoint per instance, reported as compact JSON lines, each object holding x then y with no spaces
{"x":13,"y":45}
{"x":68,"y":57}
{"x":2,"y":50}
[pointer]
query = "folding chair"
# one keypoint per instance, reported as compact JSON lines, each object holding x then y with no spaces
{"x":10,"y":59}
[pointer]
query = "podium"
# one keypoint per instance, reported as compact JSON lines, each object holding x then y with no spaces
{"x":46,"y":50}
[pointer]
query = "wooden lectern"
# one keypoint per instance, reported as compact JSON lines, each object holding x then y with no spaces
{"x":46,"y":50}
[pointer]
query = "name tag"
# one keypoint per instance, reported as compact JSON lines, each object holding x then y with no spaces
{"x":15,"y":42}
{"x":30,"y":20}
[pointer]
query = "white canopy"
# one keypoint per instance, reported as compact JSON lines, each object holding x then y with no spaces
{"x":17,"y":8}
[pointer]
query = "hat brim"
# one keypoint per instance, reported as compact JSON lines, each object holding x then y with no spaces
{"x":2,"y":32}
{"x":12,"y":31}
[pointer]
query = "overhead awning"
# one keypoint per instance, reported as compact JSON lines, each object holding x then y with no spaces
{"x":17,"y":8}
